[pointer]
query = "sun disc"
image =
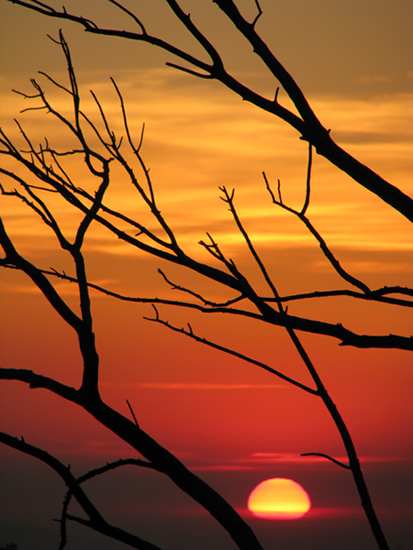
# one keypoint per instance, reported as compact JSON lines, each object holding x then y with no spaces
{"x":279,"y":498}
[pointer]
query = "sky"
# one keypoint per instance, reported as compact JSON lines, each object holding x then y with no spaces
{"x":231,"y":423}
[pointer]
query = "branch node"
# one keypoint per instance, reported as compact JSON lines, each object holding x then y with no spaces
{"x":132,"y":413}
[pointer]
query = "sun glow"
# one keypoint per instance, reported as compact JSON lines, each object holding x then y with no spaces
{"x":279,"y":498}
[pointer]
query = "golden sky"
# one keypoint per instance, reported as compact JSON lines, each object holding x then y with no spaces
{"x":354,"y":61}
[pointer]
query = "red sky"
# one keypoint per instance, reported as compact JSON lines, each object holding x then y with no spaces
{"x":232,"y":423}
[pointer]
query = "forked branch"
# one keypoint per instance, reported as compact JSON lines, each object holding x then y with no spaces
{"x":269,"y":310}
{"x":307,"y":124}
{"x":190,"y":333}
{"x":94,"y":519}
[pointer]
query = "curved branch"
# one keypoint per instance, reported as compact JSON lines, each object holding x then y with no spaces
{"x":308,"y":126}
{"x":89,"y":475}
{"x":337,"y":330}
{"x":130,"y":14}
{"x":96,"y":520}
{"x":161,"y":458}
{"x":323,"y":245}
{"x":13,"y":258}
{"x":114,"y":465}
{"x":311,"y":128}
{"x":189,"y":332}
{"x":35,"y":380}
{"x":378,"y":295}
{"x":328,"y":457}
{"x":229,"y":199}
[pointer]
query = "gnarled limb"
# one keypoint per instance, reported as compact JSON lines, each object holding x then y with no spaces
{"x":307,"y":124}
{"x":269,"y":310}
{"x":94,"y":519}
{"x":159,"y":457}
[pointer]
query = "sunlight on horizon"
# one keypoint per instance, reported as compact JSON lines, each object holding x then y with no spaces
{"x":279,"y":499}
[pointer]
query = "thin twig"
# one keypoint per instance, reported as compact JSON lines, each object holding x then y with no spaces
{"x":323,"y":245}
{"x":328,"y":457}
{"x":132,"y":413}
{"x":258,"y":14}
{"x":189,"y":332}
{"x":308,"y":180}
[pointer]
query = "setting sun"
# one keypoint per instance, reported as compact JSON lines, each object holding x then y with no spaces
{"x":279,"y":498}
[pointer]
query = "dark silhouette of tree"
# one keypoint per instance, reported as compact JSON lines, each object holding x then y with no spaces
{"x":305,"y":123}
{"x":43,"y":170}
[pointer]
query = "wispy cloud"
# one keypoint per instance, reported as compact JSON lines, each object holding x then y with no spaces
{"x":205,"y":386}
{"x":269,"y":458}
{"x":209,"y":140}
{"x":366,"y":79}
{"x":262,"y":460}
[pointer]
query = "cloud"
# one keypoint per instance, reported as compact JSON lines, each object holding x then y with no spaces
{"x":222,"y":468}
{"x":295,"y":457}
{"x":260,"y":460}
{"x":206,"y":386}
{"x":255,"y":461}
{"x":364,"y":79}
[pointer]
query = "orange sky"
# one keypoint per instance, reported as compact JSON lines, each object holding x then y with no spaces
{"x":232,"y":423}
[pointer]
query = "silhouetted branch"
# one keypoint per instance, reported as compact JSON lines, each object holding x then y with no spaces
{"x":89,"y":475}
{"x":307,"y":124}
{"x":338,"y":331}
{"x":39,"y":381}
{"x":198,"y":296}
{"x":229,"y":199}
{"x":327,"y":252}
{"x":114,"y":465}
{"x":132,"y":413}
{"x":229,"y":276}
{"x":13,"y":258}
{"x":258,"y":14}
{"x":328,"y":457}
{"x":162,"y":460}
{"x":322,"y":392}
{"x":42,"y":211}
{"x":96,"y":520}
{"x":205,"y":76}
{"x":189,"y":332}
{"x":378,"y":295}
{"x":307,"y":183}
{"x":234,"y":280}
{"x":131,"y":15}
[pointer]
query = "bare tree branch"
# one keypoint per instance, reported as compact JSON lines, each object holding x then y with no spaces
{"x":258,"y":14}
{"x":307,"y":124}
{"x":43,"y":164}
{"x":13,"y":258}
{"x":338,"y":331}
{"x":378,"y":295}
{"x":85,"y":477}
{"x":38,"y":381}
{"x":338,"y":462}
{"x":189,"y":332}
{"x":96,"y":520}
{"x":327,"y":252}
{"x":307,"y":183}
